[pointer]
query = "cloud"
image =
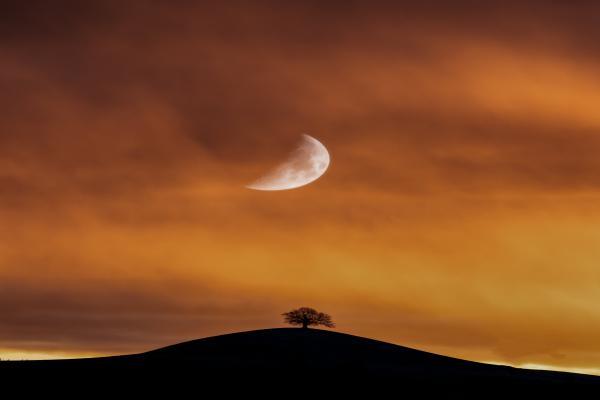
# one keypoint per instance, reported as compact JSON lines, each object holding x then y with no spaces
{"x":458,"y":214}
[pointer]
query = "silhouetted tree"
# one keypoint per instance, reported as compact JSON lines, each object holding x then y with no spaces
{"x":306,"y":317}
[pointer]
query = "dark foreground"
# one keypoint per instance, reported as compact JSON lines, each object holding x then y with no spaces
{"x":304,"y":359}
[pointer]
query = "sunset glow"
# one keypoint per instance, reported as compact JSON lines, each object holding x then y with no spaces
{"x":460,"y":213}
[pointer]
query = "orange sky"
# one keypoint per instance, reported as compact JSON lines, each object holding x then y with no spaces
{"x":459,"y":215}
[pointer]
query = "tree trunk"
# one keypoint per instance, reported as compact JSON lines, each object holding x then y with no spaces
{"x":304,"y":324}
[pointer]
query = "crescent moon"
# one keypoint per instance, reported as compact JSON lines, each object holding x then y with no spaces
{"x":307,"y":163}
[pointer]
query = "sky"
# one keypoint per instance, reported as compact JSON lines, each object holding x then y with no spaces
{"x":459,"y":214}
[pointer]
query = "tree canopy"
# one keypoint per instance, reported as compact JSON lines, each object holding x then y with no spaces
{"x":306,"y":316}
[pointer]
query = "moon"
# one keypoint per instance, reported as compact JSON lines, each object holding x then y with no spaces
{"x":307,"y":163}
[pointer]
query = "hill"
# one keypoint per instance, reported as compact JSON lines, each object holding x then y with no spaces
{"x":292,"y":353}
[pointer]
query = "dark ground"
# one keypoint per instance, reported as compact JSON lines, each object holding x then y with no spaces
{"x":293,"y":360}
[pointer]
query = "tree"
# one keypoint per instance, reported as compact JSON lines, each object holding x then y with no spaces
{"x":306,"y":317}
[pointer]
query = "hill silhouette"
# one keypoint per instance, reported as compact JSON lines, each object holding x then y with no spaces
{"x":289,"y":353}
